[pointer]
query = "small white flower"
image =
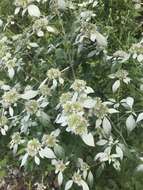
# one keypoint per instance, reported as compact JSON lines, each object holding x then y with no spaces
{"x":60,"y":167}
{"x":3,"y":125}
{"x":50,"y":140}
{"x":16,"y":140}
{"x":55,"y":76}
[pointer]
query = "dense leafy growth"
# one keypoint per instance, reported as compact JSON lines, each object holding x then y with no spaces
{"x":71,"y":85}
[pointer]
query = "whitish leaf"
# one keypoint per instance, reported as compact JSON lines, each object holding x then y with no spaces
{"x":140,"y":58}
{"x":84,"y":174}
{"x":130,"y":123}
{"x":140,"y":117}
{"x":24,"y":11}
{"x":68,"y":184}
{"x":54,"y":85}
{"x":60,"y":178}
{"x":135,"y":55}
{"x":89,"y":90}
{"x":33,"y":44}
{"x":47,"y":152}
{"x":37,"y":160}
{"x":90,"y":178}
{"x":51,"y":29}
{"x":89,"y":103}
{"x":11,"y":112}
{"x":5,"y":87}
{"x":139,"y":168}
{"x":11,"y":73}
{"x":61,"y":80}
{"x":112,"y":110}
{"x":3,"y":131}
{"x":119,"y":152}
{"x":17,"y":10}
{"x":40,"y":33}
{"x":29,"y":94}
{"x":93,"y":37}
{"x":101,"y":40}
{"x":88,"y":139}
{"x":33,"y":10}
{"x":61,"y":4}
{"x":101,"y":142}
{"x":130,"y":101}
{"x":115,"y":86}
{"x":127,"y":80}
{"x":24,"y":160}
{"x":59,"y":151}
{"x":84,"y":185}
{"x":15,"y":147}
{"x":106,"y":126}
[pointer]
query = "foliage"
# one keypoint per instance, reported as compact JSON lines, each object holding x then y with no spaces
{"x":71,"y":93}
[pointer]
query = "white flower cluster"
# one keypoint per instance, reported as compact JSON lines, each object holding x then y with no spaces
{"x":137,"y":51}
{"x":121,"y":76}
{"x":107,"y":155}
{"x":38,"y":150}
{"x":73,"y":114}
{"x":41,"y":25}
{"x":77,"y":106}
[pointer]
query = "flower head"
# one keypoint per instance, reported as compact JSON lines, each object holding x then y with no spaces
{"x":3,"y":125}
{"x":78,"y":85}
{"x":33,"y":147}
{"x":10,"y":97}
{"x":31,"y":106}
{"x":100,"y":109}
{"x":53,"y":74}
{"x":77,"y":124}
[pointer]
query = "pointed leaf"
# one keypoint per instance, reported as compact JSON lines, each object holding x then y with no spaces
{"x":47,"y":152}
{"x":84,"y":185}
{"x":29,"y":94}
{"x":115,"y":86}
{"x":68,"y":185}
{"x":33,"y":10}
{"x":106,"y":126}
{"x":60,"y":178}
{"x":130,"y":123}
{"x":119,"y":152}
{"x":140,"y":117}
{"x":88,"y":139}
{"x":37,"y":160}
{"x":24,"y":160}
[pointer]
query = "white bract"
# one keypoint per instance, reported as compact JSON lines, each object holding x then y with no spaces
{"x":27,"y":5}
{"x":121,"y":76}
{"x":137,"y":51}
{"x":108,"y":155}
{"x":35,"y":150}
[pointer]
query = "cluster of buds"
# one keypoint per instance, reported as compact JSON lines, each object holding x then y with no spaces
{"x":10,"y":97}
{"x":54,"y":75}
